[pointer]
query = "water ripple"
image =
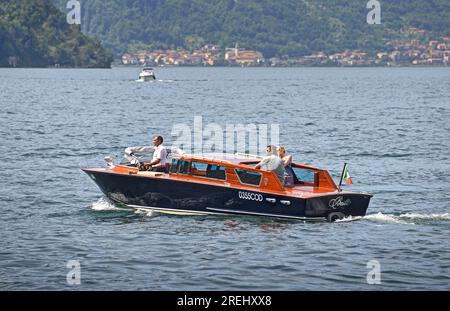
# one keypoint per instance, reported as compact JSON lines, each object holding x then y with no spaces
{"x":394,"y":137}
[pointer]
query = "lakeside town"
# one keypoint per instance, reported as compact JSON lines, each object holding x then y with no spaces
{"x":417,"y":51}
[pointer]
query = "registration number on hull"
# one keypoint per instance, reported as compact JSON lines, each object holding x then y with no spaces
{"x":250,"y":196}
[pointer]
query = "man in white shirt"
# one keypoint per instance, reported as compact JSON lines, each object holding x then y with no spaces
{"x":159,"y":160}
{"x":158,"y":163}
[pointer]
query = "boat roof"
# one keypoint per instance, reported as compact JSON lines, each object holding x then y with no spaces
{"x":226,"y":157}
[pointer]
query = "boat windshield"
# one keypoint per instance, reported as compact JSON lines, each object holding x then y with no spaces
{"x":140,"y":158}
{"x":302,"y":176}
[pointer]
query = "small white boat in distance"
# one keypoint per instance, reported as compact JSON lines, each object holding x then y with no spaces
{"x":147,"y":74}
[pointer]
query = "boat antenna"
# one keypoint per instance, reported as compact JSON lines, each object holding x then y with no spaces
{"x":342,"y":175}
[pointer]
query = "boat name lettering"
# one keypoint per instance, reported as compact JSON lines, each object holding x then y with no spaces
{"x":250,"y":196}
{"x":339,"y":202}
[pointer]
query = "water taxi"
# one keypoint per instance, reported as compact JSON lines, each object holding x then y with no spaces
{"x":224,"y":184}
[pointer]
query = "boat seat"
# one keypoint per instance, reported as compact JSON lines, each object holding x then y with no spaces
{"x":197,"y":172}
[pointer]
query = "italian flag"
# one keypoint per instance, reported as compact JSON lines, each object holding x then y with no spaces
{"x":347,"y":177}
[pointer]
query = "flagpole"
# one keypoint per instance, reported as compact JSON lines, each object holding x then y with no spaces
{"x":342,"y":175}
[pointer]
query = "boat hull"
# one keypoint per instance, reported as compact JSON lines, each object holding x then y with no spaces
{"x":182,"y":197}
{"x":147,"y":78}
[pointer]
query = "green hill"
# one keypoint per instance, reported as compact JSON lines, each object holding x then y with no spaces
{"x":292,"y":27}
{"x":35,"y":33}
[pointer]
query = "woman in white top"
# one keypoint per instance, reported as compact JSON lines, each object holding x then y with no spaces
{"x":287,"y":159}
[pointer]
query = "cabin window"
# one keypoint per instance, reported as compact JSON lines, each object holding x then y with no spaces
{"x":216,"y":172}
{"x":184,"y":167}
{"x":249,"y":177}
{"x":174,"y":166}
{"x":303,"y":176}
{"x":206,"y":170}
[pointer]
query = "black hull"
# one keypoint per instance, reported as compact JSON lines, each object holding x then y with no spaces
{"x":200,"y":198}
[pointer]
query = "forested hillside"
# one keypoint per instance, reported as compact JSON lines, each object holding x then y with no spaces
{"x":292,"y":27}
{"x":35,"y":33}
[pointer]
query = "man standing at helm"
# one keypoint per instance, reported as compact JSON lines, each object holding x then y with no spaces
{"x":158,"y":163}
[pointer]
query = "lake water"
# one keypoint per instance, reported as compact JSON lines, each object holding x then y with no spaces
{"x":390,"y":124}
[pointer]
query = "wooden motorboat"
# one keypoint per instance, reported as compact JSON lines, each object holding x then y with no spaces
{"x":229,"y":184}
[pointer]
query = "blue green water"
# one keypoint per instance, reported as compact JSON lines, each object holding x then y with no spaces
{"x":390,"y":124}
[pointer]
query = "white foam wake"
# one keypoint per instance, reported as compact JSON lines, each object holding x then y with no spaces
{"x":444,"y":216}
{"x":407,"y":218}
{"x":385,"y":218}
{"x":349,"y":218}
{"x":145,"y":212}
{"x":103,"y":204}
{"x":168,"y":81}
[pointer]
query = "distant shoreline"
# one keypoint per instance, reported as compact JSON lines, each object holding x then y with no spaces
{"x":241,"y":67}
{"x":225,"y":66}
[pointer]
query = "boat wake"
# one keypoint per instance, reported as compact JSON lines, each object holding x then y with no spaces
{"x":407,"y":218}
{"x":154,"y":81}
{"x":103,"y":204}
{"x":145,"y":212}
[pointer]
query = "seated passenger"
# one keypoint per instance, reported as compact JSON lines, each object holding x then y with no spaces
{"x":272,"y":163}
{"x":159,"y":161}
{"x":287,"y":160}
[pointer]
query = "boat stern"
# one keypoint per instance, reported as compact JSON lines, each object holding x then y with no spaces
{"x":338,"y":206}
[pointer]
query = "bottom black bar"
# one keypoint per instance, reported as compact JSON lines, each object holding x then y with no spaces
{"x":221,"y":300}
